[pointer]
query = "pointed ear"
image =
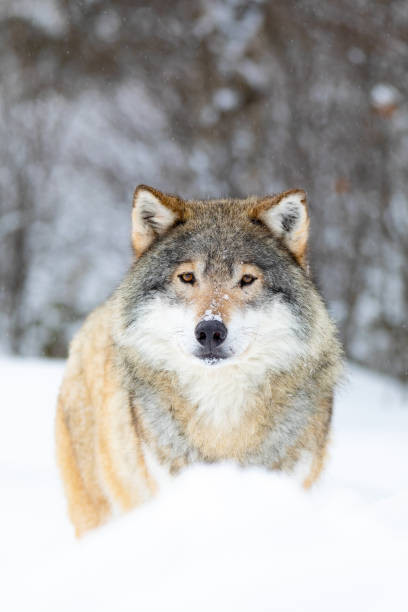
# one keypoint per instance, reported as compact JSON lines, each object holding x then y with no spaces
{"x":287,"y":217}
{"x":153,"y":214}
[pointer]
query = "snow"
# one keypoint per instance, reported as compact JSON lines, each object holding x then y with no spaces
{"x":209,"y":315}
{"x":226,"y":99}
{"x":218,"y":537}
{"x":383,"y":94}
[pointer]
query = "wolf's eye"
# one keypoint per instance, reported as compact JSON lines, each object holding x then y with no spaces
{"x":187,"y":277}
{"x":246,"y":280}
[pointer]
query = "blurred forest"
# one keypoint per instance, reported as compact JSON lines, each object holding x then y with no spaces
{"x":202,"y":98}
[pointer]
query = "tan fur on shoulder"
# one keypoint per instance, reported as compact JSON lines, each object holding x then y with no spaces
{"x":99,"y":454}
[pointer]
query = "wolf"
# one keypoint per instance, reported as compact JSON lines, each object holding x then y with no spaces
{"x":216,"y":346}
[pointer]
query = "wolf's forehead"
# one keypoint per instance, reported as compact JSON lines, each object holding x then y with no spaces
{"x":218,"y":221}
{"x":221,"y":209}
{"x":218,"y":236}
{"x":218,"y":249}
{"x":211,"y":262}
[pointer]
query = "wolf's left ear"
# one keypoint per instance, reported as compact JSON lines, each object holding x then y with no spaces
{"x":287,"y":217}
{"x":153,"y":214}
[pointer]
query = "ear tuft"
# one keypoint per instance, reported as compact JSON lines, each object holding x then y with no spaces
{"x":153,"y":214}
{"x":287,"y":217}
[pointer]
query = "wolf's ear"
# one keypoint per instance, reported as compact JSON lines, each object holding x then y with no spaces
{"x":153,"y":214}
{"x":287,"y":217}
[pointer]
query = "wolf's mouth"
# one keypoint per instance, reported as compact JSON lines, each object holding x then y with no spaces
{"x":211,"y":358}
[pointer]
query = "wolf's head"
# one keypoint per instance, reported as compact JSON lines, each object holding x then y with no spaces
{"x":218,"y":282}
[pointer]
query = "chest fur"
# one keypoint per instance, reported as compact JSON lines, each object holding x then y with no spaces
{"x":211,"y":416}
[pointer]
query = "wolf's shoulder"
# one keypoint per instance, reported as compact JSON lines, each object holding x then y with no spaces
{"x":96,"y":331}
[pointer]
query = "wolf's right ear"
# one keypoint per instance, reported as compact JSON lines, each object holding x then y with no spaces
{"x":286,"y":215}
{"x":153,"y":214}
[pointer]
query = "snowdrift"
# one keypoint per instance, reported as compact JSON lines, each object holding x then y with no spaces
{"x":219,"y":537}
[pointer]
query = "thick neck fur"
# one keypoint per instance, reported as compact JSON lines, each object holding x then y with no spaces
{"x":221,"y":395}
{"x":223,"y":414}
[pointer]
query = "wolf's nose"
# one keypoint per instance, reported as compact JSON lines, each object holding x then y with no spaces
{"x":211,"y":334}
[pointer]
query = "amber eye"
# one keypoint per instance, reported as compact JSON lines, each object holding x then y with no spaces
{"x":246,"y":280}
{"x":187,"y":277}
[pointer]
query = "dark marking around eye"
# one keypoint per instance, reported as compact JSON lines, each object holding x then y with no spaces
{"x":187,"y":278}
{"x":256,"y":221}
{"x":247,"y":280}
{"x":179,"y":222}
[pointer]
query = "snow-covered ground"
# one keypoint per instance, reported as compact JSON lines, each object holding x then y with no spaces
{"x":219,"y":538}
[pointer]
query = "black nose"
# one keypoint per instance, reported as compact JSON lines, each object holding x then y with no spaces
{"x":211,"y":334}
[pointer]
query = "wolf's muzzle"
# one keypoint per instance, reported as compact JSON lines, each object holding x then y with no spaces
{"x":211,"y":334}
